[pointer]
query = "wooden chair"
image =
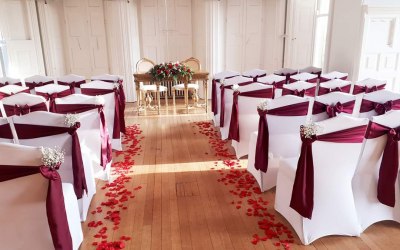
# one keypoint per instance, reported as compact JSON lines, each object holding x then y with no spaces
{"x":143,"y":66}
{"x":195,"y":66}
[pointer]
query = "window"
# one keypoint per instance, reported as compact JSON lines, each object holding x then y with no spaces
{"x":321,"y":30}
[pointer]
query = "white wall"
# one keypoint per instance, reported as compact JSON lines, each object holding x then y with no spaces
{"x":382,"y":2}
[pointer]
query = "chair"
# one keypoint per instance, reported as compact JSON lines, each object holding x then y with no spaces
{"x":115,"y":119}
{"x":10,"y":90}
{"x":378,"y":103}
{"x":93,"y":132}
{"x":226,"y":86}
{"x":146,"y":90}
{"x":244,"y":117}
{"x":332,"y":104}
{"x":7,"y":132}
{"x":23,"y":203}
{"x":312,"y":70}
{"x":368,"y":85}
{"x":9,"y":81}
{"x":217,"y":79}
{"x":72,"y":81}
{"x":304,"y":76}
{"x":275,"y":80}
{"x":254,"y":73}
{"x":49,"y":129}
{"x":335,"y":85}
{"x":286,"y":72}
{"x":328,"y":205}
{"x":37,"y":81}
{"x":195,"y":66}
{"x":299,"y":88}
{"x":276,"y":138}
{"x":22,"y":104}
{"x":369,"y":207}
{"x":52,"y":91}
{"x":333,"y":75}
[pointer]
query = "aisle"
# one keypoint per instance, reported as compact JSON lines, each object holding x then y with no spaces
{"x":180,"y":195}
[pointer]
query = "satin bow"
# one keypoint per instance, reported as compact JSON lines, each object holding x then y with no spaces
{"x":370,"y":89}
{"x":300,"y":93}
{"x":22,"y":110}
{"x":337,"y":89}
{"x":331,"y":110}
{"x":382,"y":108}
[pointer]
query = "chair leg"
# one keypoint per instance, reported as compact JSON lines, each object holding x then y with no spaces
{"x":173,"y":97}
{"x":166,"y":98}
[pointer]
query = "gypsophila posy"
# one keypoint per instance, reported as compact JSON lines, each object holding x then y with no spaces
{"x":52,"y":157}
{"x":71,"y":119}
{"x":235,"y":87}
{"x":310,"y":130}
{"x":263,"y":105}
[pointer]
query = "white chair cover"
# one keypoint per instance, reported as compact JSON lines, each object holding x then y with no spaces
{"x":365,"y":180}
{"x":333,"y":98}
{"x":106,"y":77}
{"x":71,"y":78}
{"x":334,"y":75}
{"x":38,"y":79}
{"x":380,"y":96}
{"x":228,"y":94}
{"x":109,"y":107}
{"x":311,"y":69}
{"x":254,"y":73}
{"x":299,"y":85}
{"x":62,"y":141}
{"x":9,"y":80}
{"x":284,"y":140}
{"x":247,"y":117}
{"x":369,"y":82}
{"x":22,"y":99}
{"x":23,"y":223}
{"x":225,"y":74}
{"x":89,"y":132}
{"x":334,"y":211}
{"x":335,"y":83}
{"x":304,"y":76}
{"x":51,"y":88}
{"x":12,"y":89}
{"x":271,"y":79}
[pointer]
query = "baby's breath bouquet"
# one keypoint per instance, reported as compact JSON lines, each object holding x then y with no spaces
{"x":71,"y":119}
{"x":52,"y":157}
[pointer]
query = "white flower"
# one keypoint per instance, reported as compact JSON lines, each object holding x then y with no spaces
{"x":235,"y":87}
{"x":52,"y":157}
{"x":71,"y":119}
{"x":116,"y":85}
{"x":263,"y":105}
{"x":309,"y":130}
{"x":99,"y":100}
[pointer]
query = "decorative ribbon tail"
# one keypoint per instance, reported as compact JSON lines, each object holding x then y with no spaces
{"x":55,"y":209}
{"x":234,"y":124}
{"x":302,"y":199}
{"x":78,"y":168}
{"x":222,"y":113}
{"x":261,"y":157}
{"x":214,"y":105}
{"x":388,"y":171}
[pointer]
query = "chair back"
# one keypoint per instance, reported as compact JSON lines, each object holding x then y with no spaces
{"x":380,"y":96}
{"x":225,"y":74}
{"x":193,"y":63}
{"x":334,"y":98}
{"x":144,"y":65}
{"x":254,"y":73}
{"x":9,"y":81}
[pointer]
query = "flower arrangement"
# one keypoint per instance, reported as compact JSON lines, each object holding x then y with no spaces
{"x":71,"y":119}
{"x":309,"y":130}
{"x":263,"y":105}
{"x":170,"y":70}
{"x":235,"y":87}
{"x":52,"y":157}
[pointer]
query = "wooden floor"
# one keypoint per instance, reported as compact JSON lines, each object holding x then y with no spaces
{"x":182,"y":205}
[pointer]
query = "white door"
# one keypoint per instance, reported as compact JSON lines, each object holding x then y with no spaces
{"x":381,"y":49}
{"x":300,"y":33}
{"x":166,"y":30}
{"x":254,"y":30}
{"x":87,"y":47}
{"x":19,"y":27}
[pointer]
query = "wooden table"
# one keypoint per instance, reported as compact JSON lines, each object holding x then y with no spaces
{"x":147,"y":78}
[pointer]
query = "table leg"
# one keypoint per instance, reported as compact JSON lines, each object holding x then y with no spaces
{"x":205,"y":95}
{"x":158,"y":97}
{"x":138,"y":96}
{"x":187,"y":97}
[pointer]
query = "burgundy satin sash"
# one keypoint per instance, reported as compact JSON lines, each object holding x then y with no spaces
{"x":7,"y":83}
{"x":301,"y":93}
{"x":222,"y":88}
{"x":287,"y":75}
{"x":72,"y":85}
{"x":106,"y":149}
{"x":323,"y":79}
{"x":214,"y":99}
{"x":32,"y":85}
{"x":255,"y":78}
{"x":3,"y":95}
{"x":314,"y":80}
{"x":25,"y":109}
{"x":234,"y":123}
{"x":119,"y":119}
{"x":344,"y":89}
{"x":302,"y":199}
{"x":332,"y":110}
{"x":29,"y":131}
{"x":365,"y":89}
{"x":262,"y":148}
{"x":388,"y":170}
{"x":379,"y":108}
{"x":5,"y":131}
{"x":278,"y":85}
{"x":122,"y":99}
{"x":52,"y":98}
{"x":55,"y":206}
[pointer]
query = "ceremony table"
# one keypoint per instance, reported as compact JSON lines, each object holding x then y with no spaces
{"x":147,"y":78}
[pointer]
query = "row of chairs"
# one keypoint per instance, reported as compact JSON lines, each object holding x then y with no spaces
{"x":279,"y":139}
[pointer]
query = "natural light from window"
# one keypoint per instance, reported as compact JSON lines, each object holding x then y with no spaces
{"x":321,"y":28}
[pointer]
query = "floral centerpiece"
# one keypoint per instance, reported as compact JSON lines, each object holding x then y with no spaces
{"x":52,"y":157}
{"x":172,"y":70}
